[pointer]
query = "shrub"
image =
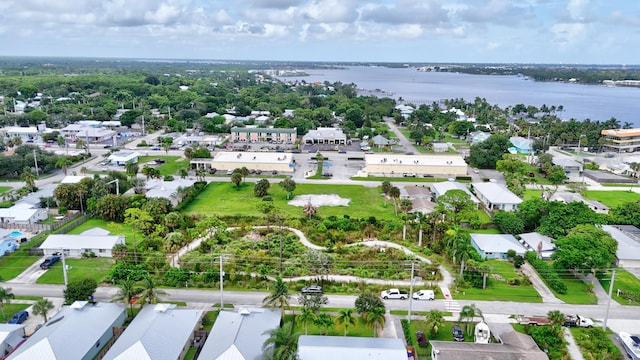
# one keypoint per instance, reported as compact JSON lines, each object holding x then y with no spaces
{"x":549,"y":274}
{"x":168,"y":178}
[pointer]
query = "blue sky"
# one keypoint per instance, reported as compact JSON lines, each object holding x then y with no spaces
{"x":520,"y":31}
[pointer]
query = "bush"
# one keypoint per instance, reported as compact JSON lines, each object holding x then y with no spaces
{"x":546,"y":272}
{"x":407,"y":332}
{"x":168,"y":178}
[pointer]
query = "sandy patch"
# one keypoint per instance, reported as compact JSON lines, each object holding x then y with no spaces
{"x":319,"y":200}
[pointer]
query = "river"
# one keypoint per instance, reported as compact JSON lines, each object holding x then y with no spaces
{"x":580,"y":102}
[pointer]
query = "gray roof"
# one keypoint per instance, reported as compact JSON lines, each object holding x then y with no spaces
{"x":158,"y":332}
{"x":240,"y":335}
{"x":164,"y":189}
{"x":71,"y":241}
{"x":450,"y":350}
{"x":496,"y":193}
{"x":380,"y":140}
{"x":352,"y":348}
{"x":533,"y":239}
{"x":440,"y":188}
{"x":497,"y":243}
{"x":628,"y":244}
{"x":565,"y":162}
{"x":264,"y":130}
{"x":96,"y":231}
{"x":11,"y":334}
{"x":72,"y":333}
{"x":325,"y":133}
{"x":34,"y":198}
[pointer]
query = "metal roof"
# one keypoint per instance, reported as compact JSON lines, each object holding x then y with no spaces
{"x":496,"y":193}
{"x":497,"y":243}
{"x":352,"y":348}
{"x":628,"y":244}
{"x":69,"y":241}
{"x":440,"y":188}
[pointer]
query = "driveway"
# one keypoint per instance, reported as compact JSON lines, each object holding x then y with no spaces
{"x":406,"y":143}
{"x":30,"y":274}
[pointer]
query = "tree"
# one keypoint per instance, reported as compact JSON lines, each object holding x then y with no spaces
{"x":127,"y":289}
{"x":244,"y":172}
{"x":236,"y":179}
{"x":386,"y":186}
{"x":509,"y":222}
{"x":561,"y":218}
{"x":435,"y":320}
{"x":112,"y":207}
{"x":261,"y":187}
{"x":556,"y":175}
{"x":172,"y":220}
{"x":627,"y":213}
{"x":586,"y":248}
{"x":375,"y":318}
{"x":394,"y":194}
{"x":80,"y":290}
{"x":458,"y":246}
{"x":468,"y":314}
{"x":183,"y":173}
{"x":306,"y":315}
{"x":455,"y":202}
{"x":281,"y":344}
{"x":323,"y":321}
{"x":131,"y":168}
{"x":42,"y":307}
{"x":5,"y":298}
{"x":309,"y":209}
{"x":289,"y":186}
{"x":63,"y":163}
{"x":173,"y":241}
{"x":345,"y":319}
{"x":138,"y":220}
{"x":188,"y":153}
{"x":486,"y":154}
{"x":28,"y":177}
{"x":556,"y":317}
{"x":367,"y":301}
{"x":313,"y":301}
{"x":279,"y":296}
{"x":150,"y":294}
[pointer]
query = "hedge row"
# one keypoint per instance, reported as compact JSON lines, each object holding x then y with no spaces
{"x":548,"y":273}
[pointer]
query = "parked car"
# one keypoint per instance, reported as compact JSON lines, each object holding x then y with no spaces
{"x":156,"y":148}
{"x":313,"y":289}
{"x":409,"y":174}
{"x":19,"y":317}
{"x":48,"y":262}
{"x":424,"y":295}
{"x":394,"y":294}
{"x":422,"y":339}
{"x":458,"y":335}
{"x":212,"y":171}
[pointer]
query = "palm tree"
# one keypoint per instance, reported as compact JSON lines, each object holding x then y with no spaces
{"x":305,"y":316}
{"x":150,"y":294}
{"x":281,"y":344}
{"x":556,"y":317}
{"x":346,"y":319}
{"x":28,"y":177}
{"x":375,"y":318}
{"x":128,"y":289}
{"x":324,"y":322}
{"x":183,"y":173}
{"x":309,"y":209}
{"x":435,"y":320}
{"x":5,"y":298}
{"x":131,"y":168}
{"x":279,"y":296}
{"x":468,"y":313}
{"x":394,"y":194}
{"x":244,"y":172}
{"x":42,"y":307}
{"x":173,"y":241}
{"x":63,"y":164}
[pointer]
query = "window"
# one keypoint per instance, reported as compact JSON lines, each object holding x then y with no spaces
{"x":102,"y":250}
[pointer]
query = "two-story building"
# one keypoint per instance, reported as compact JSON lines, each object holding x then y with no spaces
{"x":620,"y":140}
{"x":268,"y":135}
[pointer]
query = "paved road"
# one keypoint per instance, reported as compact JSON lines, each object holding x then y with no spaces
{"x":407,"y":145}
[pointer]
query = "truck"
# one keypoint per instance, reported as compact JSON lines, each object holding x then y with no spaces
{"x":48,"y":262}
{"x":532,"y":320}
{"x":577,"y":321}
{"x":394,"y":294}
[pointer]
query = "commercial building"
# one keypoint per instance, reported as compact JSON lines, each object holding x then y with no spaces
{"x":620,"y":140}
{"x":76,"y":132}
{"x":97,"y":241}
{"x":266,"y":162}
{"x":496,"y":196}
{"x":121,"y":158}
{"x":268,"y":135}
{"x":420,"y":165}
{"x":26,"y":134}
{"x":325,"y":136}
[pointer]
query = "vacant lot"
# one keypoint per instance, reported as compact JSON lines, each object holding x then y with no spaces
{"x":78,"y":269}
{"x":170,"y":167}
{"x":626,"y":282}
{"x":612,"y":198}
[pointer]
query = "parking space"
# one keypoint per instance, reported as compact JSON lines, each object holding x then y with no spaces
{"x":314,"y":148}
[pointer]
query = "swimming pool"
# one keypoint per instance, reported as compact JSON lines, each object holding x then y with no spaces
{"x":16,"y":234}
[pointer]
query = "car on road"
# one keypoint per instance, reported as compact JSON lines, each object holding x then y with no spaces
{"x":409,"y":174}
{"x":394,"y":294}
{"x":457,"y":333}
{"x":313,"y":289}
{"x":156,"y":148}
{"x":424,"y":295}
{"x":19,"y":317}
{"x":476,"y":171}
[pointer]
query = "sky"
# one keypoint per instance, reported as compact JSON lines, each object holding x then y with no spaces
{"x":430,"y":31}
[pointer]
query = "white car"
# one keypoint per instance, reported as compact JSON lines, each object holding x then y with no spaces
{"x":424,"y":295}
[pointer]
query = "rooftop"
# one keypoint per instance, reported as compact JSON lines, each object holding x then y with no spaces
{"x":496,"y":193}
{"x":628,"y":244}
{"x":418,"y":160}
{"x":82,"y":241}
{"x":497,"y":243}
{"x":352,"y":348}
{"x":621,"y":132}
{"x":325,"y":133}
{"x":253,"y":157}
{"x":263,"y":130}
{"x":533,"y":239}
{"x":442,"y":187}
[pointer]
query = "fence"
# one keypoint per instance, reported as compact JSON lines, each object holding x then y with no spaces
{"x":34,"y":228}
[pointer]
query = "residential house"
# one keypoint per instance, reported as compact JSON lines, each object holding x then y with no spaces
{"x":420,"y":197}
{"x":385,"y":164}
{"x":567,"y":197}
{"x":78,"y":331}
{"x":380,"y":141}
{"x":11,"y":336}
{"x":121,"y":158}
{"x":628,"y":238}
{"x":74,"y":179}
{"x":521,"y":145}
{"x":33,"y":199}
{"x":326,"y":136}
{"x":619,"y":140}
{"x":240,"y":335}
{"x":95,"y":241}
{"x":440,"y":188}
{"x":312,"y":347}
{"x":541,"y":244}
{"x":26,"y":134}
{"x":571,"y":167}
{"x":405,"y":110}
{"x":156,"y":188}
{"x":440,"y":147}
{"x":496,"y":246}
{"x":496,"y":196}
{"x":22,"y":213}
{"x":159,"y":331}
{"x":8,"y":243}
{"x":269,"y":135}
{"x":478,"y":137}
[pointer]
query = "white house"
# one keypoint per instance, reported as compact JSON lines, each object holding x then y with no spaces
{"x":22,"y":213}
{"x":121,"y":158}
{"x":496,"y":246}
{"x":87,"y":133}
{"x":541,"y":244}
{"x":96,"y":241}
{"x":166,"y":189}
{"x":441,"y":188}
{"x":628,"y":238}
{"x":313,"y":347}
{"x":496,"y":196}
{"x":26,"y":134}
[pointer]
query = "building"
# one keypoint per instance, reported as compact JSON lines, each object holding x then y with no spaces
{"x":380,"y":141}
{"x":521,"y":145}
{"x":541,"y":244}
{"x":159,"y":331}
{"x":628,"y":238}
{"x":96,"y":241}
{"x":76,"y":132}
{"x":26,"y":134}
{"x":8,"y":243}
{"x":267,"y":162}
{"x":78,"y":331}
{"x":567,"y":197}
{"x":440,"y":165}
{"x":156,"y":188}
{"x":415,"y":192}
{"x":11,"y":336}
{"x":22,"y":213}
{"x":496,"y":196}
{"x":571,"y":168}
{"x":477,"y":137}
{"x":121,"y":158}
{"x":352,"y":348}
{"x":440,"y":147}
{"x":620,"y":140}
{"x":240,"y":335}
{"x":325,"y":136}
{"x":440,"y":188}
{"x":496,"y":246}
{"x":268,"y":135}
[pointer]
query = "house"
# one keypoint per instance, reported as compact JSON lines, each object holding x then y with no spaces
{"x":33,"y":199}
{"x":496,"y":196}
{"x":26,"y":134}
{"x":73,"y":179}
{"x":240,"y":335}
{"x":521,"y":145}
{"x":22,"y":213}
{"x":159,"y":331}
{"x":8,"y":243}
{"x":380,"y":141}
{"x":326,"y":136}
{"x":496,"y":246}
{"x":269,"y":135}
{"x":440,"y":147}
{"x":415,"y":192}
{"x":268,"y":162}
{"x":541,"y":244}
{"x":121,"y":158}
{"x":96,"y":241}
{"x":352,"y":348}
{"x":11,"y":336}
{"x":156,"y":188}
{"x":567,"y":197}
{"x":440,"y":188}
{"x":78,"y":331}
{"x":385,"y":164}
{"x":571,"y":167}
{"x":478,"y":137}
{"x":619,"y":140}
{"x":422,"y":205}
{"x":405,"y":110}
{"x":628,"y":238}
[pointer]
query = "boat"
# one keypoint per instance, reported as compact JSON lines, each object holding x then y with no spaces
{"x":631,"y":344}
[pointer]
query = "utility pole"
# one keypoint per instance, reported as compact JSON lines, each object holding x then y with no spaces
{"x":35,"y":160}
{"x":64,"y":269}
{"x":606,"y":314}
{"x":221,"y":285}
{"x":413,"y":264}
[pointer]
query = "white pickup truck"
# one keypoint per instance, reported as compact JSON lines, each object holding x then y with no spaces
{"x":394,"y":294}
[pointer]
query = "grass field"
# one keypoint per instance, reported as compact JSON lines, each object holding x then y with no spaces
{"x":10,"y":309}
{"x":14,"y":264}
{"x":171,"y":165}
{"x":578,"y":291}
{"x":359,"y":330}
{"x":531,"y":194}
{"x":4,"y":189}
{"x":114,"y":228}
{"x":486,"y":231}
{"x":223,"y":199}
{"x":612,"y":198}
{"x":96,"y":268}
{"x":624,"y":281}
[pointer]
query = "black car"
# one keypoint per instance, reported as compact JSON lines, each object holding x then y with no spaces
{"x":314,"y":289}
{"x":212,"y":171}
{"x":458,"y":335}
{"x":48,"y":262}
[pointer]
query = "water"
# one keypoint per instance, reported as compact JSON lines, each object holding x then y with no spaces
{"x":15,"y":234}
{"x":580,"y":102}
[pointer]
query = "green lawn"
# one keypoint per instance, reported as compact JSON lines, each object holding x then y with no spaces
{"x":612,"y":198}
{"x":96,"y":268}
{"x":359,"y":330}
{"x":170,"y":167}
{"x":223,"y":199}
{"x":486,"y":231}
{"x":14,"y":264}
{"x":624,"y":281}
{"x":4,"y":189}
{"x":498,"y":289}
{"x":578,"y":291}
{"x":531,"y":194}
{"x":10,"y":309}
{"x":114,"y":228}
{"x":595,"y":344}
{"x":444,"y":334}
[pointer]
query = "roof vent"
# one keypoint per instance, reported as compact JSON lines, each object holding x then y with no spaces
{"x":244,"y":311}
{"x":78,"y":305}
{"x":163,"y":307}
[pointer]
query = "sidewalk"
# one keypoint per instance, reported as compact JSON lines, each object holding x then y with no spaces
{"x":539,"y":285}
{"x":598,"y":290}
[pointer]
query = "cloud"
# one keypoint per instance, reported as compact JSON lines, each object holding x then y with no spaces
{"x":497,"y":12}
{"x":273,"y":4}
{"x":328,"y":11}
{"x":405,"y":12}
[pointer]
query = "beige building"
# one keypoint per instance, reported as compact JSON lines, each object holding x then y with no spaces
{"x":420,"y":165}
{"x":267,"y":162}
